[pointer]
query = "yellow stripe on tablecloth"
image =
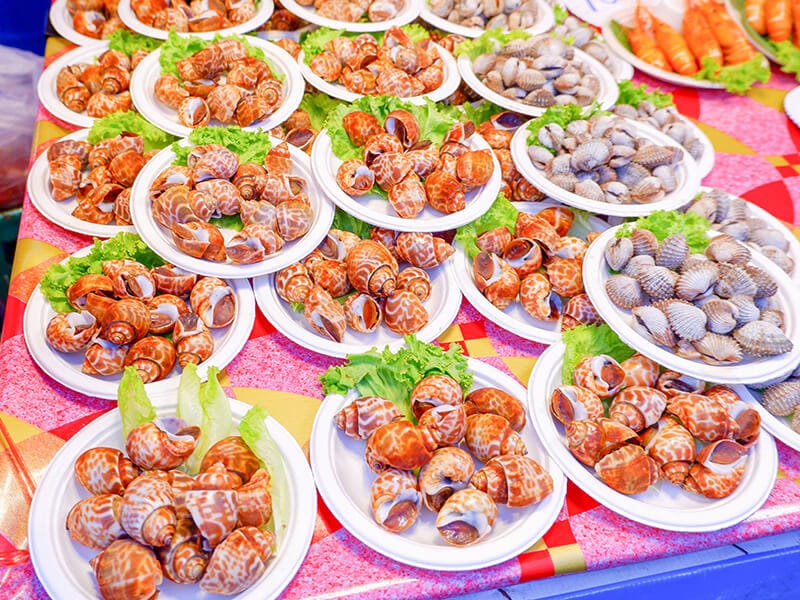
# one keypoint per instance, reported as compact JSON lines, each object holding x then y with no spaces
{"x":567,"y":559}
{"x":521,"y":367}
{"x":723,"y":142}
{"x":19,"y":430}
{"x":294,"y":411}
{"x":45,"y":130}
{"x":769,"y":97}
{"x":30,"y":253}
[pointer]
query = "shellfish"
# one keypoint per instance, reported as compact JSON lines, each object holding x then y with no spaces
{"x":498,"y":402}
{"x":127,"y":570}
{"x":628,"y":470}
{"x":435,"y":390}
{"x":513,"y":480}
{"x":491,"y":435}
{"x":601,"y":374}
{"x":364,"y":415}
{"x":153,"y":358}
{"x":395,"y":500}
{"x":148,"y":511}
{"x":400,"y":445}
{"x":371,"y":268}
{"x":95,"y":521}
{"x":162,"y":444}
{"x":238,"y":561}
{"x":466,"y":517}
{"x":449,"y":470}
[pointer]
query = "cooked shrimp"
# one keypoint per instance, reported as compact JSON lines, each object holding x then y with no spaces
{"x":674,"y":47}
{"x":735,"y":47}
{"x":778,"y":15}
{"x":754,"y":12}
{"x":643,"y":43}
{"x":699,"y":36}
{"x":796,"y":19}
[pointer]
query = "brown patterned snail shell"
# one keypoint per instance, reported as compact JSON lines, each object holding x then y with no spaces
{"x":95,"y":521}
{"x":148,"y":510}
{"x":102,"y":470}
{"x":104,"y":358}
{"x":70,"y":332}
{"x":238,"y":561}
{"x":235,"y":455}
{"x":126,"y":321}
{"x":214,"y":301}
{"x":513,"y":480}
{"x":371,"y":268}
{"x":184,"y":560}
{"x":254,"y":500}
{"x":395,"y":500}
{"x":467,"y":516}
{"x":153,"y":358}
{"x":173,"y":280}
{"x":163,"y":443}
{"x":86,"y":284}
{"x":165,"y":310}
{"x":193,"y":341}
{"x":127,"y":570}
{"x":214,"y":512}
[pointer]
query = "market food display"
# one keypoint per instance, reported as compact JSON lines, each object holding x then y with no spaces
{"x":471,"y":19}
{"x":96,"y":19}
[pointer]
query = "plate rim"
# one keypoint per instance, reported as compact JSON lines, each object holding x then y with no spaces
{"x":538,"y":392}
{"x":300,"y":477}
{"x":409,"y":13}
{"x":541,"y":26}
{"x":60,"y":20}
{"x":324,"y":432}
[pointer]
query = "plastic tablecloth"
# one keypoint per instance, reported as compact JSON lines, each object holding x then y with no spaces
{"x":758,"y":158}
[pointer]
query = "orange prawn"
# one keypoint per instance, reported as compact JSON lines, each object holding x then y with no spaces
{"x":778,"y":15}
{"x":643,"y":43}
{"x":735,"y":46}
{"x":699,"y":36}
{"x":755,"y":15}
{"x":796,"y":19}
{"x":674,"y":47}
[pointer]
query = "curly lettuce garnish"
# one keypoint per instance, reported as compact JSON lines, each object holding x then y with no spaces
{"x":590,"y":340}
{"x":393,"y":375}
{"x":490,"y":41}
{"x":347,"y":222}
{"x":112,"y":125}
{"x":251,"y":146}
{"x":736,"y":79}
{"x":318,"y":106}
{"x":788,"y":55}
{"x":58,"y":277}
{"x":562,"y":115}
{"x":664,"y":223}
{"x":633,"y":94}
{"x":502,"y":213}
{"x":314,"y":42}
{"x":129,"y":42}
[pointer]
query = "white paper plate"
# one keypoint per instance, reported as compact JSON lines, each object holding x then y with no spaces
{"x":407,"y":14}
{"x":63,"y":565}
{"x":609,"y":91}
{"x":344,"y":480}
{"x":544,"y":22}
{"x":449,"y":85}
{"x":126,"y":14}
{"x":60,"y":211}
{"x":688,"y":176}
{"x":46,"y":88}
{"x":664,"y":505}
{"x":791,"y":105}
{"x":159,"y":238}
{"x":144,"y":79}
{"x":706,"y":162}
{"x":63,"y":23}
{"x":513,"y":318}
{"x":442,"y":307}
{"x":376,"y":210}
{"x":65,"y":367}
{"x":625,"y":16}
{"x":749,"y":370}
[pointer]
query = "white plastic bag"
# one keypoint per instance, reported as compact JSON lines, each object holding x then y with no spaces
{"x":19,"y":72}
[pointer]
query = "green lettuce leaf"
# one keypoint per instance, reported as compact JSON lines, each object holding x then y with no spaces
{"x":217,"y":421}
{"x":590,"y":340}
{"x":736,"y":79}
{"x":788,"y":55}
{"x":664,"y":223}
{"x":393,"y":375}
{"x":135,"y":407}
{"x":621,"y":33}
{"x":560,"y":13}
{"x":314,"y":42}
{"x":189,"y":408}
{"x":129,"y":42}
{"x":251,"y":146}
{"x":233,"y":222}
{"x":255,"y":434}
{"x":347,"y":222}
{"x":319,"y":106}
{"x":177,"y":47}
{"x":562,"y":115}
{"x":490,"y":41}
{"x":633,"y":94}
{"x":58,"y":277}
{"x":502,"y":213}
{"x":112,"y":125}
{"x":480,"y":111}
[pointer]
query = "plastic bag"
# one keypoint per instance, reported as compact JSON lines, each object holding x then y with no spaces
{"x":19,"y":72}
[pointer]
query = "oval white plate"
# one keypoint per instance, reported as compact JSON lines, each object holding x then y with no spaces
{"x":513,"y":318}
{"x":688,"y":176}
{"x":442,"y":307}
{"x":544,"y":22}
{"x":449,"y":84}
{"x":791,"y":105}
{"x":625,"y":16}
{"x":65,"y":367}
{"x":46,"y":88}
{"x":344,"y":479}
{"x":126,"y":14}
{"x":407,"y":14}
{"x":664,"y":505}
{"x":706,"y":162}
{"x":63,"y":23}
{"x":60,"y":212}
{"x":377,"y":210}
{"x":609,"y":91}
{"x":778,"y":426}
{"x":749,"y":370}
{"x":159,"y":238}
{"x":144,"y":79}
{"x":63,"y":565}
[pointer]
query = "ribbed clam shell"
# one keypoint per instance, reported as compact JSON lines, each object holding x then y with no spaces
{"x":734,"y":280}
{"x":590,"y":190}
{"x":590,"y":155}
{"x":560,"y":164}
{"x":649,"y":189}
{"x":687,"y":321}
{"x":653,"y":323}
{"x":644,"y":242}
{"x":715,"y":348}
{"x":618,"y":252}
{"x":774,"y":316}
{"x":779,"y":257}
{"x":692,"y":261}
{"x":766,"y":236}
{"x":697,"y":282}
{"x":672,"y":251}
{"x":747,"y":310}
{"x":658,"y":282}
{"x":721,"y":315}
{"x":566,"y":181}
{"x":637,"y":264}
{"x":625,"y":291}
{"x":762,"y":338}
{"x":632,"y":173}
{"x":654,"y":156}
{"x":782,"y":398}
{"x":725,"y":248}
{"x":765,"y":284}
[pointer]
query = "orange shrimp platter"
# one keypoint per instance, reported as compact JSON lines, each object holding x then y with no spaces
{"x":695,"y":43}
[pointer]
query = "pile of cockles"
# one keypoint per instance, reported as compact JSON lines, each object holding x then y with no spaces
{"x":715,"y":306}
{"x":782,"y":398}
{"x":606,"y":159}
{"x":488,"y":14}
{"x":367,"y":273}
{"x":658,"y":425}
{"x":588,"y":40}
{"x":488,"y":420}
{"x":149,"y":520}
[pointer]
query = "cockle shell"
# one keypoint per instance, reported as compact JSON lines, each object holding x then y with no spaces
{"x":148,"y":511}
{"x":404,"y":313}
{"x":726,"y":249}
{"x":490,"y":435}
{"x":163,"y":443}
{"x":704,"y":417}
{"x":364,"y":415}
{"x":184,"y":560}
{"x":628,"y":470}
{"x":70,"y":332}
{"x":625,"y":291}
{"x":672,"y":251}
{"x":637,"y":264}
{"x":126,"y":570}
{"x":697,"y":282}
{"x":466,"y":517}
{"x":687,"y":321}
{"x":449,"y":470}
{"x":446,"y":423}
{"x":513,"y":480}
{"x":95,"y":521}
{"x":495,"y":401}
{"x":234,"y":454}
{"x":762,"y":338}
{"x":395,"y":500}
{"x":238,"y":561}
{"x":422,"y":250}
{"x":658,"y":282}
{"x":371,"y":268}
{"x":435,"y":390}
{"x":601,"y":374}
{"x":671,"y":445}
{"x":496,"y":279}
{"x":715,"y":348}
{"x":638,"y":407}
{"x":644,"y":242}
{"x":324,"y":314}
{"x":399,"y":444}
{"x":782,"y":398}
{"x":718,"y":469}
{"x":574,"y":403}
